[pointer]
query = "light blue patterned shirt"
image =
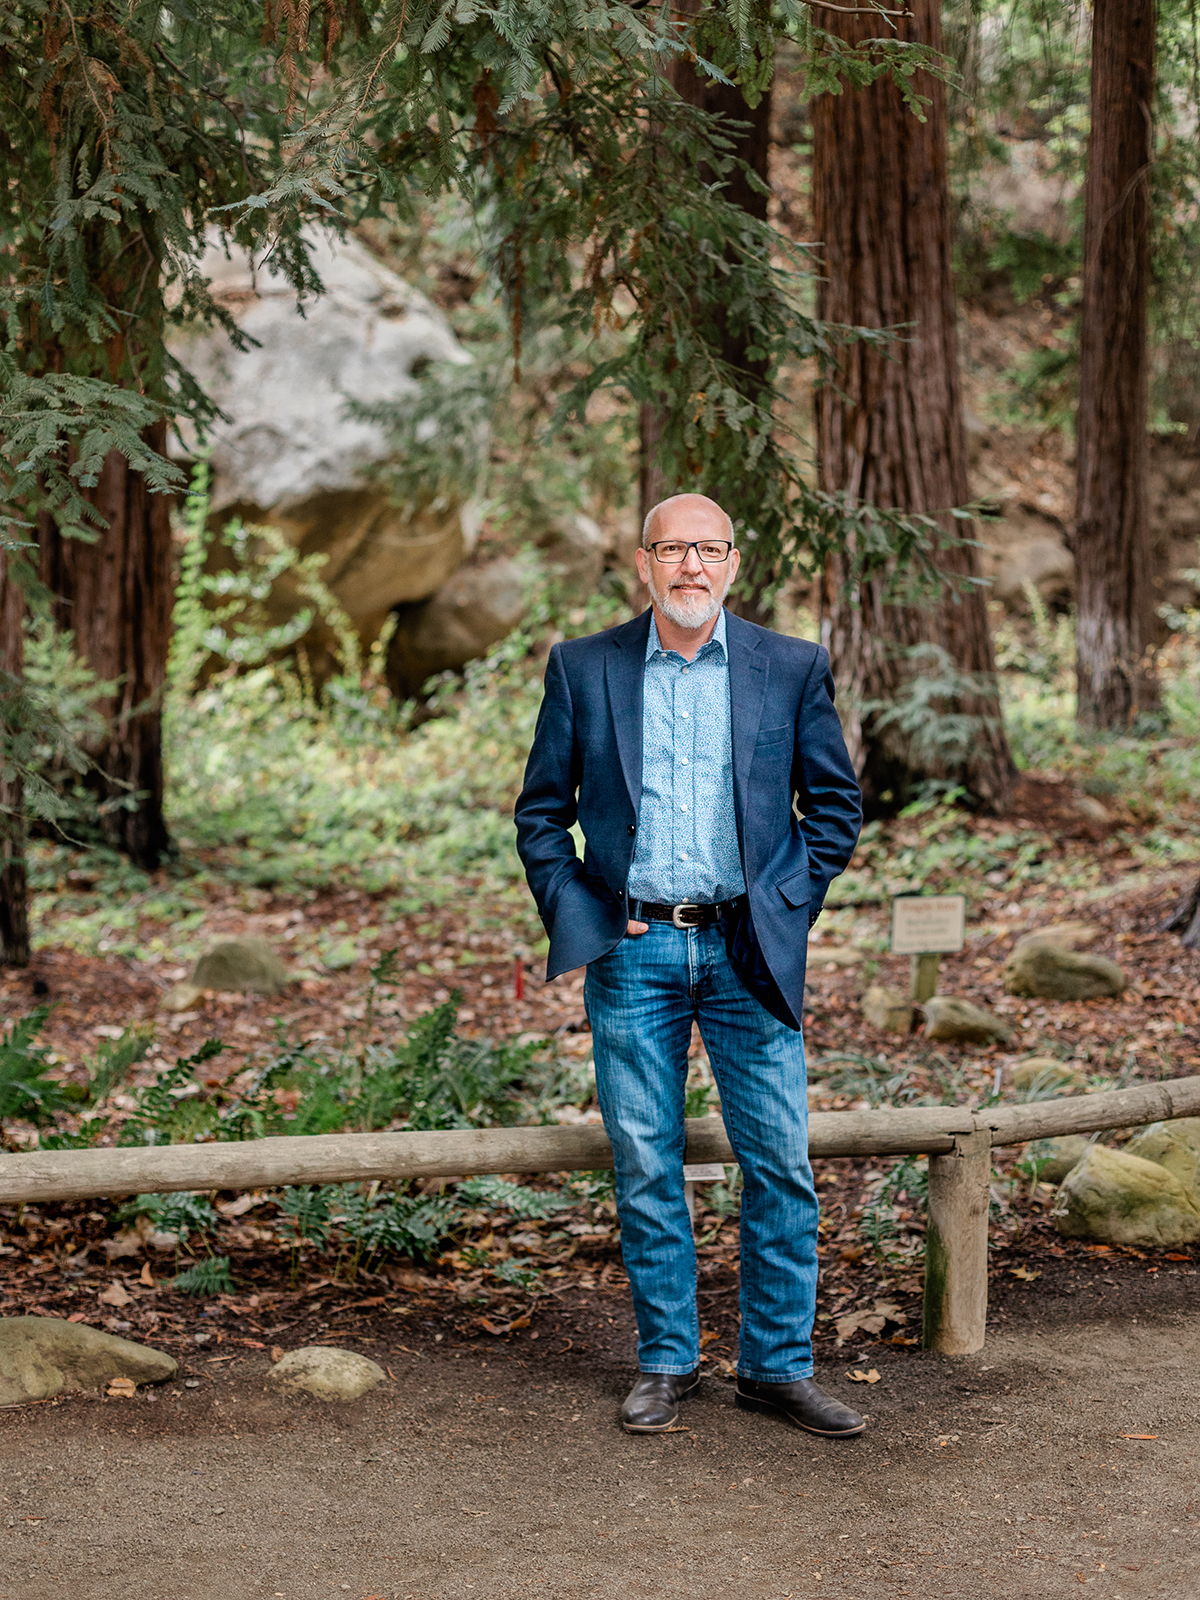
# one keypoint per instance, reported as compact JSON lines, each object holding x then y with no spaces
{"x":687,"y":842}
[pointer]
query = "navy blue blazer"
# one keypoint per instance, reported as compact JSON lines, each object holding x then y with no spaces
{"x":586,"y":766}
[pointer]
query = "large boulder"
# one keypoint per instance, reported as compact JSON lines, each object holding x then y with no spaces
{"x":325,"y":1372}
{"x":39,"y":1356}
{"x":292,"y":457}
{"x":477,"y":608}
{"x":1117,"y":1198}
{"x":1041,"y":969}
{"x":959,"y":1022}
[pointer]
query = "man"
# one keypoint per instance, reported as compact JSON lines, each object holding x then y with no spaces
{"x":704,"y":761}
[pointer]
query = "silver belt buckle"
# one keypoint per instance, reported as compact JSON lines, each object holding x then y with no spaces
{"x":677,"y":914}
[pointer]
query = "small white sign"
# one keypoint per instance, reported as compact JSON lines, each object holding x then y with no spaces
{"x":928,"y":924}
{"x":703,"y":1172}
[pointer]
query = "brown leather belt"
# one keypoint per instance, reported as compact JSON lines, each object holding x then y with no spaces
{"x":686,"y":915}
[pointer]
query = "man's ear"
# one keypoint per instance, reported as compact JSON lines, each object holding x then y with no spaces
{"x":641,"y":560}
{"x":735,"y":561}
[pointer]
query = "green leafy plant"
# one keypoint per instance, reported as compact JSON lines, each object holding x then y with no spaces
{"x":182,"y":1213}
{"x":172,"y":1109}
{"x":26,"y":1090}
{"x":207,"y":1278}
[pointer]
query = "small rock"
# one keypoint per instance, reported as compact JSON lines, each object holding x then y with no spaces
{"x":241,"y":966}
{"x":1046,"y":1072}
{"x":889,"y":1009}
{"x":958,"y":1021}
{"x":1044,"y":971}
{"x":181,"y":997}
{"x":1117,"y":1198}
{"x":833,"y":955}
{"x":1054,"y":1158}
{"x":325,"y":1372}
{"x":126,"y":1243}
{"x":1174,"y":1146}
{"x":39,"y":1356}
{"x":1088,"y":806}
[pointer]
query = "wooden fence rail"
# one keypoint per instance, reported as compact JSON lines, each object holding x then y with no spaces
{"x":957,"y":1141}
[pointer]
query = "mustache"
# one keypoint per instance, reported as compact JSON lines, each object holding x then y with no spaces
{"x":700,"y":581}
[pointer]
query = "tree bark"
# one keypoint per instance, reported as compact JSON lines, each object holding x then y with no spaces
{"x":115,"y":596}
{"x":1185,"y":919}
{"x":14,"y":891}
{"x":1113,"y":563}
{"x":889,"y":423}
{"x":751,"y":144}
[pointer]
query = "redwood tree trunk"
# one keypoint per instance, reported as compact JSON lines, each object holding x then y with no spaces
{"x":1115,"y":626}
{"x":115,"y":596}
{"x":889,"y":426}
{"x":752,"y":144}
{"x":14,"y":894}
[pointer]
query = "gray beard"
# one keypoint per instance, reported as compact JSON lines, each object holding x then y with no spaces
{"x":686,"y":617}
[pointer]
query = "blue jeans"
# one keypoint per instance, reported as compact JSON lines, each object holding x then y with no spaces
{"x":641,"y":1001}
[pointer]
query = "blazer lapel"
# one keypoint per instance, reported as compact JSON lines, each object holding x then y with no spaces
{"x":748,"y":673}
{"x":624,"y":669}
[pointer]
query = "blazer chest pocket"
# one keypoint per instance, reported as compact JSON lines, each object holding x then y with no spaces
{"x":796,"y":890}
{"x":769,"y":736}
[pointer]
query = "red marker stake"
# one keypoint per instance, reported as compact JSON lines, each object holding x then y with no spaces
{"x":519,"y":981}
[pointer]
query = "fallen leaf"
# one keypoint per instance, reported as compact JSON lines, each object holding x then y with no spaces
{"x":77,"y":1316}
{"x":276,"y":1352}
{"x":905,"y":1339}
{"x":122,"y":1389}
{"x":1175,"y":1256}
{"x":503,"y":1327}
{"x":1137,"y":1436}
{"x":863,"y":1377}
{"x":1024,"y":1274}
{"x":707,"y":1337}
{"x":853,"y":1321}
{"x":147,"y":1277}
{"x":116,"y":1295}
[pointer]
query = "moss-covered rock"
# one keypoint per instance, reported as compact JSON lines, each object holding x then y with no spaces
{"x":1175,"y":1146}
{"x":241,"y":966}
{"x":39,"y":1356}
{"x":959,"y":1022}
{"x":1117,"y":1198}
{"x":889,"y":1009}
{"x":1045,"y":1072}
{"x":1038,"y":969}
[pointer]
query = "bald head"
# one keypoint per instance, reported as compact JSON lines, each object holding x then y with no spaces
{"x":686,"y":516}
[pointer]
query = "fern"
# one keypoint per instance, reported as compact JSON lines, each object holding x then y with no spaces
{"x":25,"y":1090}
{"x":496,"y":1194}
{"x":207,"y":1278}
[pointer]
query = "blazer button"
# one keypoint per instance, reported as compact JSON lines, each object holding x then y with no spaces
{"x":633,"y":827}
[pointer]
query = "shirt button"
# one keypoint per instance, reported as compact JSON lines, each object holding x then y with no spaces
{"x":684,"y":760}
{"x":685,"y":669}
{"x":683,"y":855}
{"x":683,"y":713}
{"x":683,"y":808}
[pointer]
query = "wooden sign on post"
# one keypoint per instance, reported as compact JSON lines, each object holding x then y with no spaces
{"x":926,"y":927}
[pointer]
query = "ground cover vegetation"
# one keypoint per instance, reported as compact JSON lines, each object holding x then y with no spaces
{"x":371,"y":842}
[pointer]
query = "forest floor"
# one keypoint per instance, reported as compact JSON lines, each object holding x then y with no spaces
{"x":1062,"y":1458}
{"x":490,"y":1462}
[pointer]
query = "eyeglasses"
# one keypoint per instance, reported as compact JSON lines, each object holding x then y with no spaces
{"x":670,"y":552}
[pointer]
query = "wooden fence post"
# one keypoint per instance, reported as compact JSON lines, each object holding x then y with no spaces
{"x":956,"y":1246}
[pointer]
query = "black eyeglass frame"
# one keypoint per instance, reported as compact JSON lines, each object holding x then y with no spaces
{"x":690,"y":544}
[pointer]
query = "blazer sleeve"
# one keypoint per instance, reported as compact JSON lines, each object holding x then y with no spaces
{"x":546,"y":808}
{"x":825,"y":785}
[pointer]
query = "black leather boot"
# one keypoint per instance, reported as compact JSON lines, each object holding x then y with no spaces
{"x":652,"y":1405}
{"x":803,"y":1403}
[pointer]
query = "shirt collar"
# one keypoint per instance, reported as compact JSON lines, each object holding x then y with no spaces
{"x":654,"y":646}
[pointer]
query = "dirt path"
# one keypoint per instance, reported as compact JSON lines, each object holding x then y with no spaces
{"x":498,"y":1471}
